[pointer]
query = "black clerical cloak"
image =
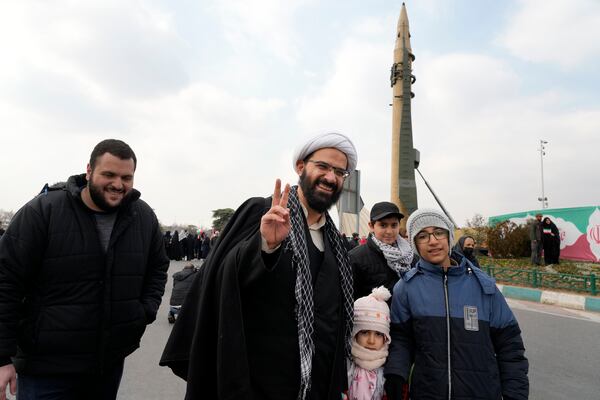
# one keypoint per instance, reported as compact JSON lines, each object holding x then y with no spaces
{"x":208,"y":346}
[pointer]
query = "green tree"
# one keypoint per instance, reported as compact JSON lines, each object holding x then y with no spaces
{"x":5,"y":217}
{"x":508,"y":240}
{"x":221,"y":217}
{"x":192,"y":229}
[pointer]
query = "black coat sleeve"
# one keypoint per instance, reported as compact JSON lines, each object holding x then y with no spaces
{"x":512,"y":363}
{"x":357,"y":272}
{"x":207,"y":345}
{"x":156,"y":273}
{"x":395,"y":387}
{"x":510,"y":351}
{"x":402,"y":346}
{"x":255,"y":261}
{"x":21,"y":251}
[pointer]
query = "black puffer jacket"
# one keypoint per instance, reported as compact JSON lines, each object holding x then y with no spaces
{"x":371,"y":270}
{"x":65,"y":305}
{"x":182,"y":280}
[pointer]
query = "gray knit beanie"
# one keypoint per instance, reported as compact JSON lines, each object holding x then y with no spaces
{"x":425,"y":217}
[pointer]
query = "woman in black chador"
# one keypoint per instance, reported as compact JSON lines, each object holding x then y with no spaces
{"x":167,"y":241}
{"x":551,"y":241}
{"x":176,"y":248}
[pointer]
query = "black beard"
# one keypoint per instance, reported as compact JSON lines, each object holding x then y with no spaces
{"x":98,"y":199}
{"x":319,"y":202}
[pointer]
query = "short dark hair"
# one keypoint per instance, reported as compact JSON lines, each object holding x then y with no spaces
{"x":116,"y":147}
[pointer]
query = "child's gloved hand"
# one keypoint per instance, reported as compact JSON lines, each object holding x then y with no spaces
{"x":394,"y":387}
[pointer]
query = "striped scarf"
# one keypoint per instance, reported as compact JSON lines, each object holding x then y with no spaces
{"x":296,"y":242}
{"x":398,"y":256}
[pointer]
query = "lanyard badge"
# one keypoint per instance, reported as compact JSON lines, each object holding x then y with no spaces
{"x":471,"y":320}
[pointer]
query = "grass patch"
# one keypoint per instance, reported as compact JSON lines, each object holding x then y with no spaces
{"x":570,"y":276}
{"x":565,"y":266}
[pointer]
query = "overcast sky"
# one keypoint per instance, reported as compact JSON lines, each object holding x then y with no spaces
{"x":213,"y":96}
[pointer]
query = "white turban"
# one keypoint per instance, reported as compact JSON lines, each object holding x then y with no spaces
{"x":325,"y":140}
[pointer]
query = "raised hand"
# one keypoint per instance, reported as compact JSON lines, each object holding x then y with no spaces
{"x":8,"y":377}
{"x":275,"y":224}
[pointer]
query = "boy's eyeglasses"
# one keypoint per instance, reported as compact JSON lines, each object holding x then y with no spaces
{"x":325,"y":167}
{"x":423,"y":237}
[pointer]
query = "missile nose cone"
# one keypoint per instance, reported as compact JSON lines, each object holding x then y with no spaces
{"x":402,"y":32}
{"x":403,"y":20}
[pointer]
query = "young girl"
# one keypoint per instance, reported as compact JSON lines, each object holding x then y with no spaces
{"x":370,"y":341}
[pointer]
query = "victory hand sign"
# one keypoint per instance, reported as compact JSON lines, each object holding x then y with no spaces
{"x":275,"y":224}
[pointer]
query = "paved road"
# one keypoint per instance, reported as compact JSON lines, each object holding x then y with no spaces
{"x":143,"y":378}
{"x":563,"y":347}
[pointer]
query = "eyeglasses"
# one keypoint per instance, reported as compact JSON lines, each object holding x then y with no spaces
{"x":325,"y":167}
{"x":424,"y":237}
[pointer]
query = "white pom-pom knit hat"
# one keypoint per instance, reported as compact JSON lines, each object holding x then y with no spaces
{"x":372,"y":313}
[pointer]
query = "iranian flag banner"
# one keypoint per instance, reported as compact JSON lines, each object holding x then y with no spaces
{"x":579,"y":229}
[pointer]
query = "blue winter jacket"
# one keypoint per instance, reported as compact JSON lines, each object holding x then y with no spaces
{"x":460,"y":334}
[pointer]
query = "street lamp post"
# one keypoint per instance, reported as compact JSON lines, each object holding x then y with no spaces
{"x":542,"y":149}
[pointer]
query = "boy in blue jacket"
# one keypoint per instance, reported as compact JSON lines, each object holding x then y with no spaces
{"x":450,"y":320}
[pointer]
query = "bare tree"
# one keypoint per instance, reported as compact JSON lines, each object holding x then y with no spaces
{"x":5,"y":218}
{"x":478,"y":228}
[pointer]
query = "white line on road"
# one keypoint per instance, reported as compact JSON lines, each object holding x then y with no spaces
{"x":554,"y":310}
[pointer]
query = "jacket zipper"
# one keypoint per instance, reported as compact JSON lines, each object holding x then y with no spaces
{"x":448,"y":334}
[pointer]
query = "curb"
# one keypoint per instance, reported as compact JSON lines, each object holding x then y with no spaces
{"x":567,"y":300}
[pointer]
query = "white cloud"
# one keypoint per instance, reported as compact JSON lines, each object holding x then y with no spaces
{"x":253,"y":26}
{"x":110,"y":47}
{"x":554,"y":31}
{"x":476,"y":130}
{"x":75,"y":73}
{"x":475,"y":127}
{"x":373,"y":26}
{"x":434,"y":8}
{"x":463,"y":83}
{"x":354,"y":100}
{"x":478,"y":135}
{"x":211,"y":147}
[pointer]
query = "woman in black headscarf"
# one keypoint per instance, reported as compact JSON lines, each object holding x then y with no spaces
{"x":176,"y":248}
{"x":167,"y":240}
{"x":465,"y":248}
{"x":550,"y":241}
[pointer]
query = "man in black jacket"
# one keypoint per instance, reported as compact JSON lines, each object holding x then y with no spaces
{"x":82,"y":272}
{"x":535,"y":236}
{"x":182,"y":281}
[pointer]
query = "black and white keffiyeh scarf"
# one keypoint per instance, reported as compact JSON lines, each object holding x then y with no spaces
{"x":296,"y":242}
{"x":398,"y":257}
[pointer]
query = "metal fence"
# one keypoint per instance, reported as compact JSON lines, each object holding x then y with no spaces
{"x":539,"y":279}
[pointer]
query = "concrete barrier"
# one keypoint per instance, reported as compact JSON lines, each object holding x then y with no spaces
{"x":567,"y":300}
